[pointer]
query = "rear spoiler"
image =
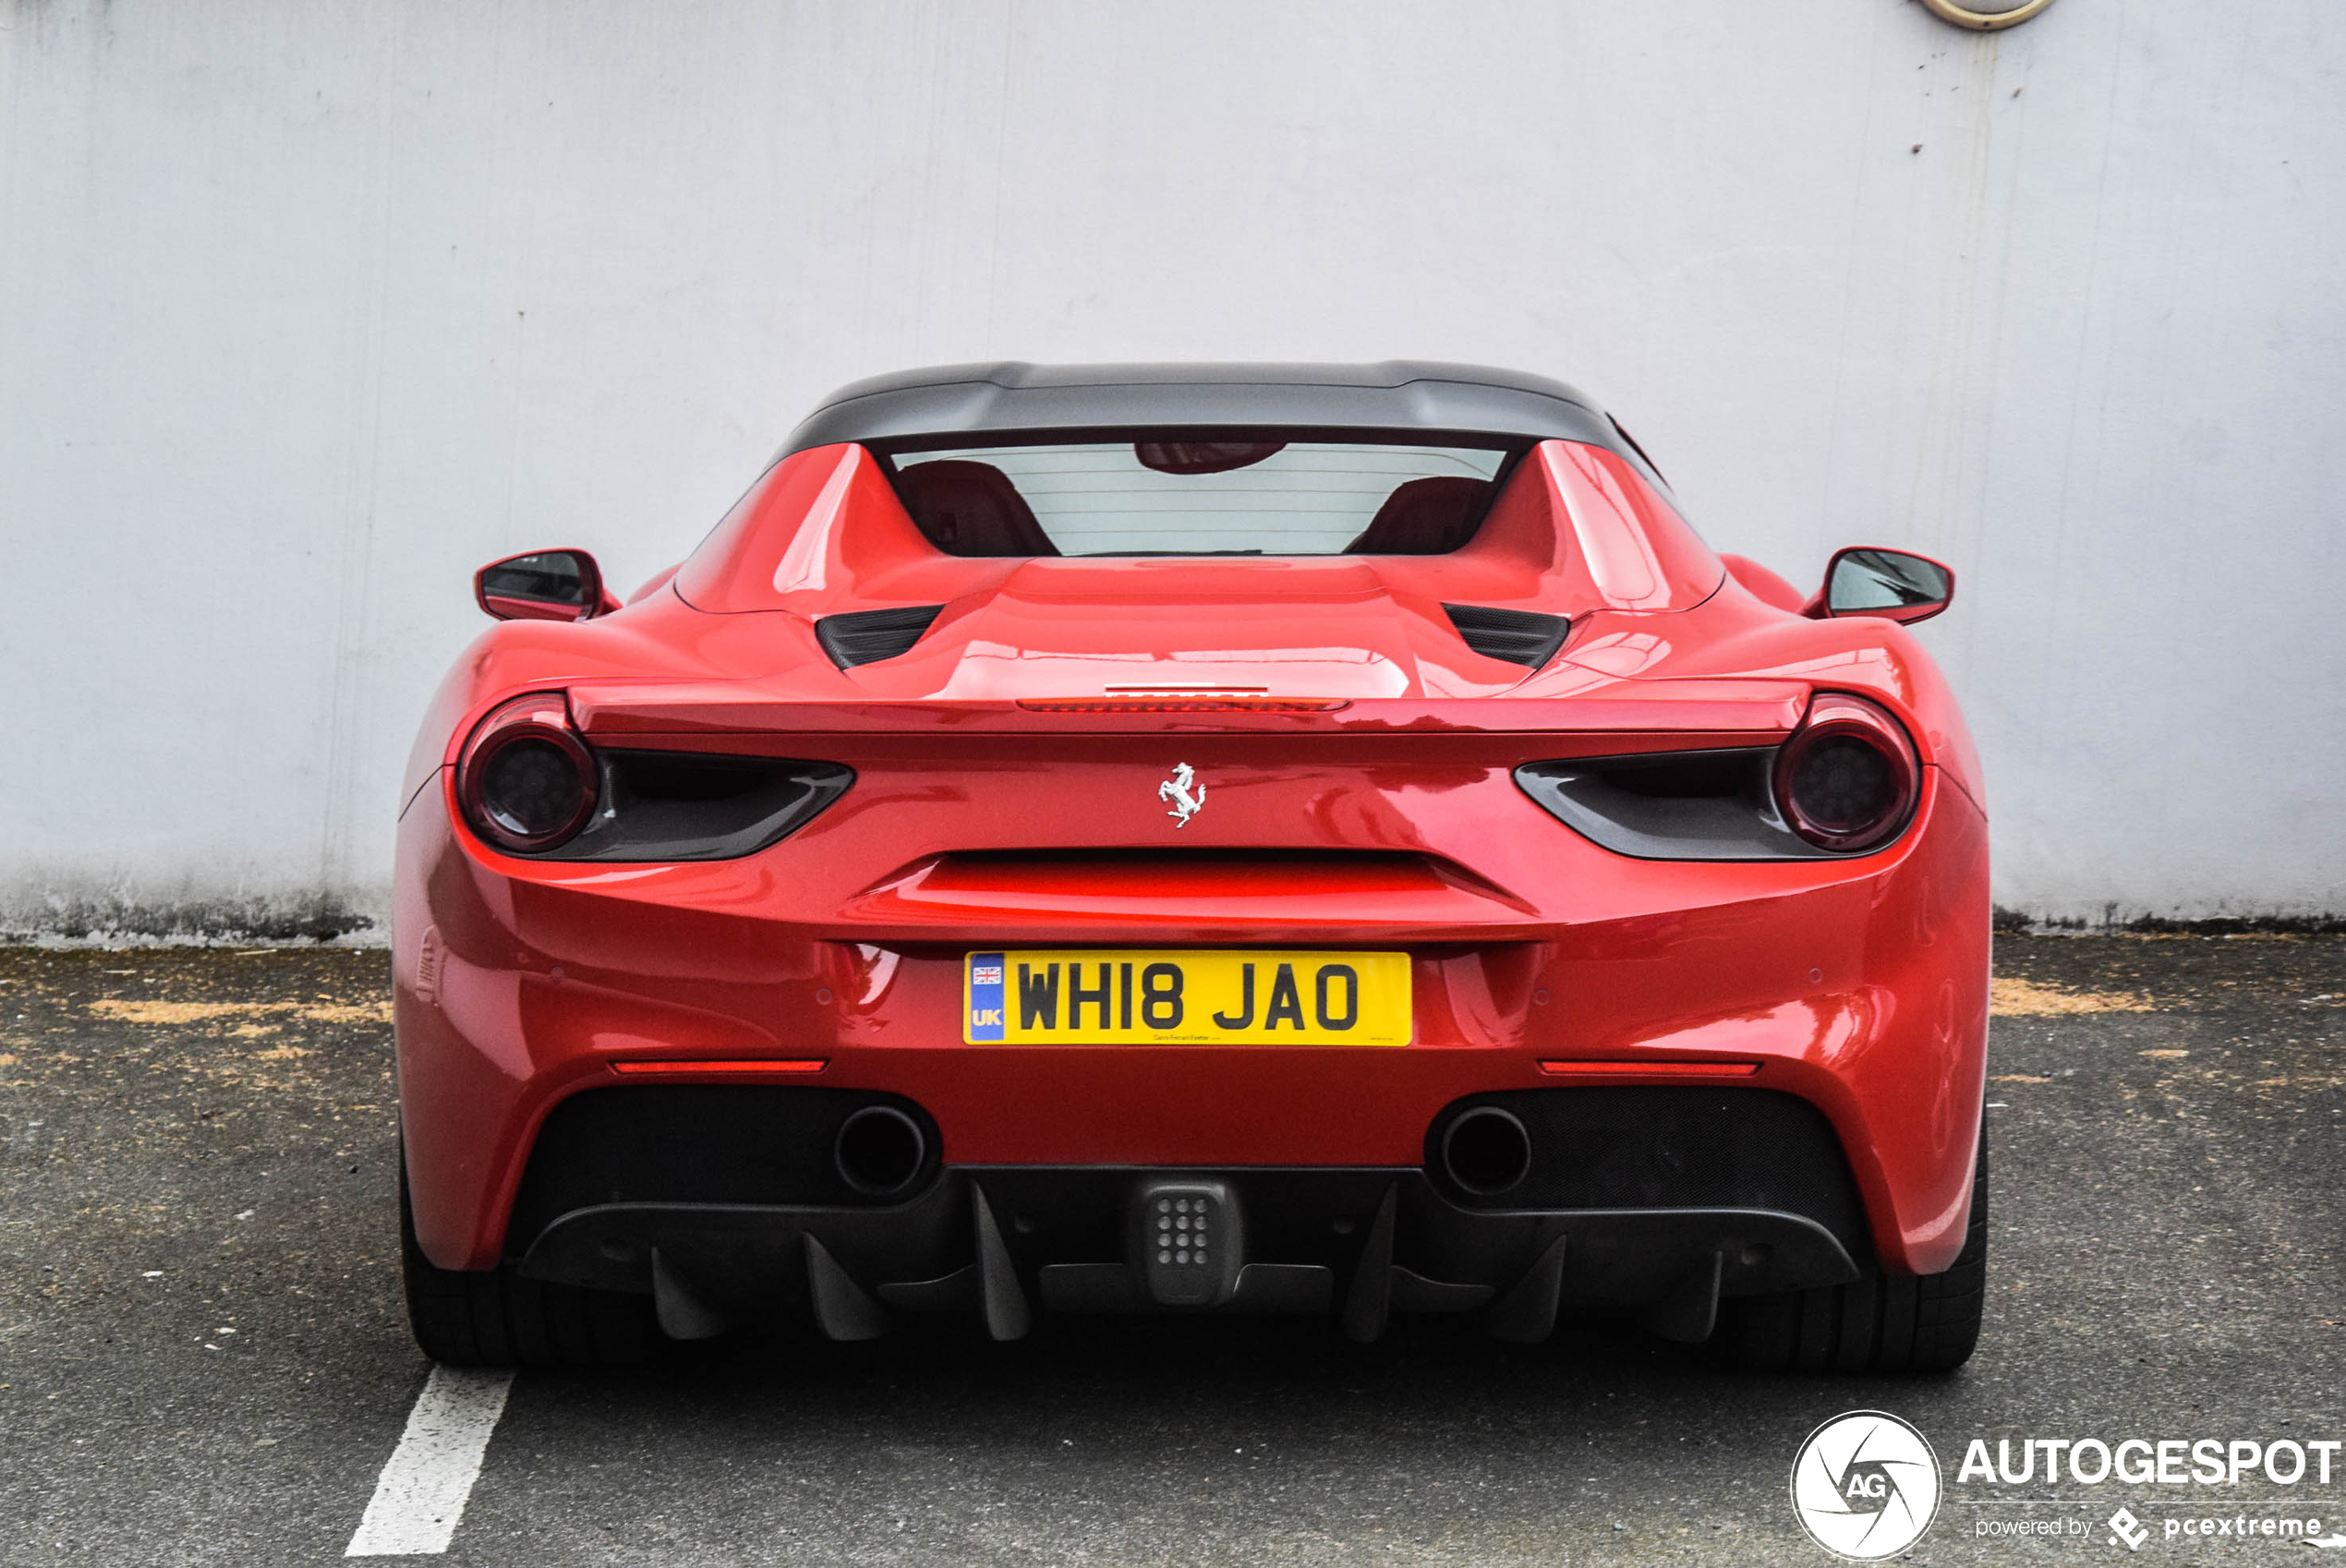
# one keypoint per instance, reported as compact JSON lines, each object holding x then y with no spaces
{"x":1766,"y":709}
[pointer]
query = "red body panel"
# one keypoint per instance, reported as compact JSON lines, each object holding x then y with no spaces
{"x":1388,"y":820}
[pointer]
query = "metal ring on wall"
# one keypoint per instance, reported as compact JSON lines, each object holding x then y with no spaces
{"x":1974,"y":14}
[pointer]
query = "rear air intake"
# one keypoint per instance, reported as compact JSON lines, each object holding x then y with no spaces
{"x":1519,"y":637}
{"x":866,"y":636}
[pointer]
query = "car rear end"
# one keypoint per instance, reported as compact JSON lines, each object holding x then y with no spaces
{"x":977,"y":1036}
{"x":954,"y":893}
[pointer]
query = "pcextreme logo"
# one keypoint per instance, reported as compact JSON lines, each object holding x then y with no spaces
{"x":1864,"y":1486}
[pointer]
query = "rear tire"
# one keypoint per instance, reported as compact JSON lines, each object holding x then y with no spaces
{"x":1877,"y":1322}
{"x":495,"y":1318}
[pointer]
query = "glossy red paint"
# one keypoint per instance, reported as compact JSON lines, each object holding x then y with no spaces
{"x":504,"y":607}
{"x":1003,"y":797}
{"x":1764,"y":584}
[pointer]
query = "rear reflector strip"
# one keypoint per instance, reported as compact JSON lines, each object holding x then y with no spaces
{"x":733,"y":1068}
{"x":1650,"y":1070}
{"x":1183,"y":704}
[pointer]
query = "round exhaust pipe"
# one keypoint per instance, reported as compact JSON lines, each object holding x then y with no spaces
{"x":880,"y":1150}
{"x":1486,"y":1151}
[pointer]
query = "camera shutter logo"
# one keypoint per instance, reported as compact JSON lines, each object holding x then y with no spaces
{"x":1864,"y":1486}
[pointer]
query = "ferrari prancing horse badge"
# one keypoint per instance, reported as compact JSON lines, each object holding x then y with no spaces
{"x":1176,"y":791}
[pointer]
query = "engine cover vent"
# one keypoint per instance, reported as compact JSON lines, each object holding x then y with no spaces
{"x":1519,"y":637}
{"x":866,"y":636}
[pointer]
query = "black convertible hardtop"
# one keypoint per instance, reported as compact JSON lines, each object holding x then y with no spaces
{"x":1400,"y":397}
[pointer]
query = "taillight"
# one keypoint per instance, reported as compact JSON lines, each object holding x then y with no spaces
{"x":525,"y":780}
{"x":1848,"y":778}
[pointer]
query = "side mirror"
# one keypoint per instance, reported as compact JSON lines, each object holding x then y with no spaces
{"x":1892,"y":583}
{"x":552,"y":585}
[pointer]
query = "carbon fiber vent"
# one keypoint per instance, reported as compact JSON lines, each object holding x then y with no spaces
{"x":1639,"y":1148}
{"x":866,"y":636}
{"x":1519,"y":637}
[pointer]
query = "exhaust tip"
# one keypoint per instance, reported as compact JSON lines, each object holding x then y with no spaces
{"x":880,"y":1150}
{"x":1486,"y":1151}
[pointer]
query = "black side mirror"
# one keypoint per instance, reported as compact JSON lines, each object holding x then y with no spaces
{"x":1892,"y":583}
{"x":552,"y":585}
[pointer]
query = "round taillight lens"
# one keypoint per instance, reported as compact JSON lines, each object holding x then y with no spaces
{"x":1848,"y":779}
{"x":526,"y":781}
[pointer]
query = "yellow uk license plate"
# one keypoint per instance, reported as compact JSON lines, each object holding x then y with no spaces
{"x":1225,"y":996}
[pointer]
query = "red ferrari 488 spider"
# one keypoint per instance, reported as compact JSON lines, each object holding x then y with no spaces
{"x":1217,"y":838}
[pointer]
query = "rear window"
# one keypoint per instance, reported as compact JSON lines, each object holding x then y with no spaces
{"x":1182,"y":495}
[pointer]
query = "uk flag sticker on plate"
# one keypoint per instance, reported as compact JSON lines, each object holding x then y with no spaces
{"x":985,"y":991}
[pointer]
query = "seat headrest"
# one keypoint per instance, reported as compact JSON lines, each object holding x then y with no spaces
{"x":966,"y":508}
{"x":1424,"y":517}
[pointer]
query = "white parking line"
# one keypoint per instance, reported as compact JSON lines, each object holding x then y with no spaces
{"x":421,"y":1493}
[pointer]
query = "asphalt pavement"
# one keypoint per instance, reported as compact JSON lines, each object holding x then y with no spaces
{"x":203,"y":1356}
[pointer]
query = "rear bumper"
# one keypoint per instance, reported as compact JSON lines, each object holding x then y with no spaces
{"x":1858,"y":987}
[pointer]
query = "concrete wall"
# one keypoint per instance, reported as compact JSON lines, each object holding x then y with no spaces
{"x":305,"y":310}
